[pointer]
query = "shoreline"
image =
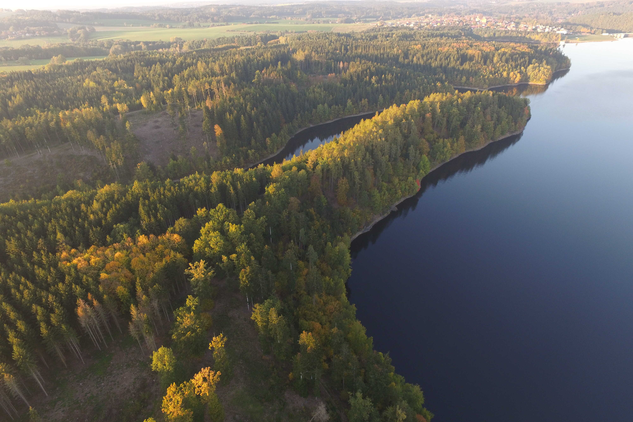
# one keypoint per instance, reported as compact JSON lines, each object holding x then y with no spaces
{"x":250,"y":166}
{"x":367,"y":113}
{"x":394,"y":207}
{"x":472,"y":88}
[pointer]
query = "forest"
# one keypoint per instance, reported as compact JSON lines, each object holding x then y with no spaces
{"x":142,"y":255}
{"x":613,"y":22}
{"x":253,"y":99}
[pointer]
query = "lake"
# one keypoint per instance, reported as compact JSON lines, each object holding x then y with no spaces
{"x":505,"y":287}
{"x":314,"y":136}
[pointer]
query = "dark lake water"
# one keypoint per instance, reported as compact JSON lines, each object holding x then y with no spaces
{"x":313,"y":137}
{"x":505,"y":287}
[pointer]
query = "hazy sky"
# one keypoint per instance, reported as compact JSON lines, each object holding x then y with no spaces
{"x":86,"y":4}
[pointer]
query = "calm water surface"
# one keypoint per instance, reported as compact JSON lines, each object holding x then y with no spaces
{"x":505,"y":288}
{"x":313,"y":137}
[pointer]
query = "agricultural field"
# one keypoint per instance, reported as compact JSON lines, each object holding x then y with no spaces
{"x":146,"y":33}
{"x":33,"y":41}
{"x":12,"y":66}
{"x":165,"y":34}
{"x":125,"y":22}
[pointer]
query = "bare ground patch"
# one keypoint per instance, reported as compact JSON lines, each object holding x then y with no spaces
{"x":115,"y":384}
{"x":159,"y":137}
{"x":33,"y":173}
{"x":259,"y":389}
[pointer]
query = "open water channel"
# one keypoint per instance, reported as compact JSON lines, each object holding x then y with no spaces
{"x":505,"y":286}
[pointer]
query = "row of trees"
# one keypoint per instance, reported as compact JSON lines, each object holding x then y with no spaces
{"x":613,"y":22}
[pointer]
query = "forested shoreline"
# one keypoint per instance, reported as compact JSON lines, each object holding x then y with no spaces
{"x":472,"y":88}
{"x":369,"y":225}
{"x":142,"y":258}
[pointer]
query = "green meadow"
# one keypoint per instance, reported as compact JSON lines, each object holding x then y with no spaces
{"x":588,"y":38}
{"x":165,"y":34}
{"x":145,"y":33}
{"x":33,"y":41}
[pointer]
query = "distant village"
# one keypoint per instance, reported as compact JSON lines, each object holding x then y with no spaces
{"x":473,"y":21}
{"x":477,"y":22}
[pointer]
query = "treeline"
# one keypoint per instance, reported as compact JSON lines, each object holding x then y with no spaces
{"x":71,"y":273}
{"x":48,"y":52}
{"x":458,"y":61}
{"x":488,"y":34}
{"x":611,"y":21}
{"x":12,"y":25}
{"x":556,"y":14}
{"x":255,"y":99}
{"x":118,"y":47}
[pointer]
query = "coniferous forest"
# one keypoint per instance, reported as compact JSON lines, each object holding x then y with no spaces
{"x":253,"y":99}
{"x":142,"y":254}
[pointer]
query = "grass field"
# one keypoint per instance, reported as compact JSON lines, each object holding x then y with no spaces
{"x":34,"y":41}
{"x":13,"y":66}
{"x":135,"y":22}
{"x":144,"y":33}
{"x":352,"y":27}
{"x":588,"y":38}
{"x":164,"y":34}
{"x":34,"y":64}
{"x":117,"y":23}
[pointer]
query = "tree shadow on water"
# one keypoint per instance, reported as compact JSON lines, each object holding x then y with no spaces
{"x":462,"y":164}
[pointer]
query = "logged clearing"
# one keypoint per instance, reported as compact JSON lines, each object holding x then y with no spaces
{"x":35,"y":173}
{"x":38,"y":173}
{"x":160,"y":140}
{"x":259,"y":388}
{"x":115,"y":384}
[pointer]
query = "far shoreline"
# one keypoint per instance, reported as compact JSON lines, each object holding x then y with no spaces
{"x":366,"y":113}
{"x":367,"y":228}
{"x":472,"y":88}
